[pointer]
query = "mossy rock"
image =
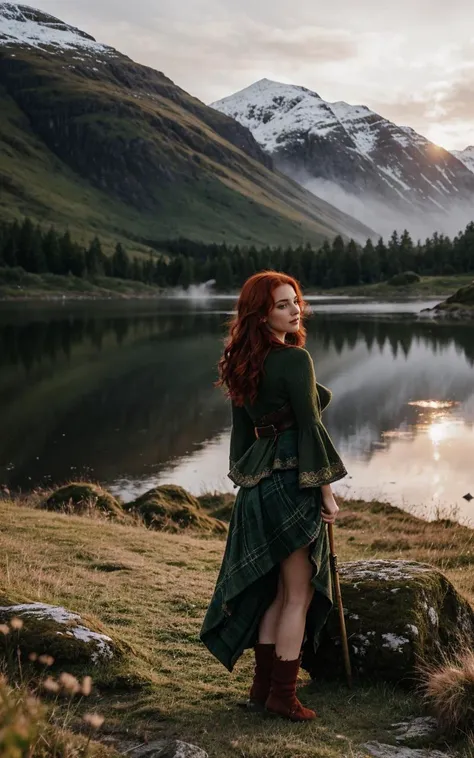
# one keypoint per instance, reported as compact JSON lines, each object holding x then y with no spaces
{"x":81,"y":497}
{"x":171,"y":508}
{"x":398,"y":614}
{"x":55,"y":631}
{"x":407,"y":277}
{"x":463,"y":296}
{"x":218,"y":504}
{"x":461,"y":304}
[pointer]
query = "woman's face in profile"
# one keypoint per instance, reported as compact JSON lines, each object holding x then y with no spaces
{"x":285,"y":315}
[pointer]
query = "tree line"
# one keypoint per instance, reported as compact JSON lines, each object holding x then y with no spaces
{"x":183,"y":262}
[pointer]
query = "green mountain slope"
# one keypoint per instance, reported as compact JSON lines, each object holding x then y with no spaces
{"x":93,"y":141}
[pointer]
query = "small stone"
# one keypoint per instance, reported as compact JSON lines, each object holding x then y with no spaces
{"x":168,"y":749}
{"x":468,"y":497}
{"x":422,"y":726}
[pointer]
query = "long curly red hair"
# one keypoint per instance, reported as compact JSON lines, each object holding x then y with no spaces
{"x":249,"y":340}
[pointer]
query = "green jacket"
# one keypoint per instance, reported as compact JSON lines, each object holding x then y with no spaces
{"x":288,"y":375}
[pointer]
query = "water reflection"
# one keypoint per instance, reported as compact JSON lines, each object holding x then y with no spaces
{"x":125,"y":395}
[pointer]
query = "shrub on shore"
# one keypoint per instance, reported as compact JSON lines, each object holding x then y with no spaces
{"x":406,"y":277}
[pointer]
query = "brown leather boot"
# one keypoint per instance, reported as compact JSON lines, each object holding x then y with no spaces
{"x":264,"y":656}
{"x":282,"y":698}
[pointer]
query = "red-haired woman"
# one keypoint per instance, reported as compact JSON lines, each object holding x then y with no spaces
{"x":273,"y":592}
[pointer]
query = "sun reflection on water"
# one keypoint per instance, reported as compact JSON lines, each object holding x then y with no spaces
{"x":436,"y":419}
{"x":422,"y":465}
{"x":433,"y":404}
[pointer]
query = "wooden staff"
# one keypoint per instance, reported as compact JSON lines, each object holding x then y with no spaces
{"x":342,"y":622}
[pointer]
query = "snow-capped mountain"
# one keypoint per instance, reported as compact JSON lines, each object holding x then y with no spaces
{"x":384,"y":174}
{"x":466,"y":156}
{"x":31,"y":28}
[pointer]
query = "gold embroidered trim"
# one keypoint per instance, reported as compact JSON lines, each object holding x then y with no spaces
{"x":285,"y":463}
{"x":323,"y":476}
{"x":250,"y":480}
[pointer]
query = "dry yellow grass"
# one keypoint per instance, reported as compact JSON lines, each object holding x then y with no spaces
{"x":449,"y":691}
{"x":151,"y":590}
{"x":30,"y":728}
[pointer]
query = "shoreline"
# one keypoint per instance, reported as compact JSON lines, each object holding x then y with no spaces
{"x":216,"y":500}
{"x":432,"y":288}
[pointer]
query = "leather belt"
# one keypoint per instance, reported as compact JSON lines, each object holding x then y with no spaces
{"x":275,"y":422}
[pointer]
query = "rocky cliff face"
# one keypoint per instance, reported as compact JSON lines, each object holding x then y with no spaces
{"x":355,"y":158}
{"x":89,"y":113}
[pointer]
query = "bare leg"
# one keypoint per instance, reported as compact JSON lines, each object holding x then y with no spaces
{"x":295,"y":574}
{"x":268,"y":625}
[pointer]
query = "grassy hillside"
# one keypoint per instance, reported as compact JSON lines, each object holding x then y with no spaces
{"x":119,"y":150}
{"x":150,"y":590}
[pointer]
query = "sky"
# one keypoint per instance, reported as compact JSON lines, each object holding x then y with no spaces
{"x":412,"y":61}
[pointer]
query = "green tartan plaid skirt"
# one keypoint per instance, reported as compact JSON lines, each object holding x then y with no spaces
{"x":269,"y":522}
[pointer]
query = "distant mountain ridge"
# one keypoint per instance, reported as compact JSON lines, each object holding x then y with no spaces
{"x":92,"y":141}
{"x":386,"y":174}
{"x":466,"y":156}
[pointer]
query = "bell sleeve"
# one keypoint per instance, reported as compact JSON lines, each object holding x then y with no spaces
{"x":242,"y":434}
{"x":318,"y":460}
{"x":324,"y":396}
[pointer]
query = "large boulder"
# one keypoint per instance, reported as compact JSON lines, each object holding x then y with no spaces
{"x":398,"y":614}
{"x":55,"y":631}
{"x":171,"y":508}
{"x":82,"y":497}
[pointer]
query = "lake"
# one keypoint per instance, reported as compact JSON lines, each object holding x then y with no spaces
{"x":122,"y":393}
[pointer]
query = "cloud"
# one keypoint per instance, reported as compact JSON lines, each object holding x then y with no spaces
{"x":212,"y":59}
{"x":240,"y":47}
{"x":442,"y":112}
{"x":456,"y":101}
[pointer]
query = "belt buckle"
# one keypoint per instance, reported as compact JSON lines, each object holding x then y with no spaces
{"x":266,"y":426}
